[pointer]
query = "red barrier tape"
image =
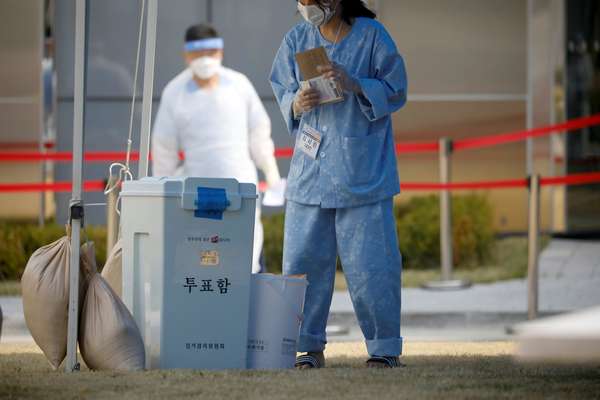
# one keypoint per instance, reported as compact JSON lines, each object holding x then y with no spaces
{"x":503,"y":184}
{"x":424,"y":147}
{"x":34,"y":156}
{"x":487,"y":141}
{"x":91,"y":156}
{"x":570,"y":180}
{"x":24,"y":145}
{"x":115,"y":156}
{"x":284,"y":152}
{"x":88,"y":186}
{"x":287,"y":152}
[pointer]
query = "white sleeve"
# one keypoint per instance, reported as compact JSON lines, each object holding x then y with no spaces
{"x":165,"y":142}
{"x":262,"y":149}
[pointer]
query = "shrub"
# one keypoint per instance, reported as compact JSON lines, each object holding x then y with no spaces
{"x":12,"y":255}
{"x":273,"y":244}
{"x":418,"y":224}
{"x":473,"y":233}
{"x":18,"y":240}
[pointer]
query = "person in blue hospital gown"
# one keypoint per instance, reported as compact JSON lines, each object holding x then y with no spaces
{"x":215,"y":117}
{"x":343,"y":174}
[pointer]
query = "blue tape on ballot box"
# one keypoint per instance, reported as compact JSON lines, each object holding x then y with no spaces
{"x":211,"y":203}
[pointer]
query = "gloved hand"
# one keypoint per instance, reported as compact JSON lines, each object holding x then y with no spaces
{"x":306,"y":100}
{"x":275,"y":194}
{"x":271,"y":171}
{"x":339,"y":74}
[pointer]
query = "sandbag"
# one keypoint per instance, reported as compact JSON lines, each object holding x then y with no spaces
{"x":88,"y":267}
{"x":108,"y":335}
{"x":113,"y":269}
{"x":45,"y":290}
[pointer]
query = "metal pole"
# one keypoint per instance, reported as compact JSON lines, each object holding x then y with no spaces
{"x":532,"y":275}
{"x":112,"y":218}
{"x":445,"y":211}
{"x":447,"y":283}
{"x":551,"y":33}
{"x":530,"y":87}
{"x":76,"y":204}
{"x":44,"y":173}
{"x":533,"y":246}
{"x":43,"y":118}
{"x":151,"y":19}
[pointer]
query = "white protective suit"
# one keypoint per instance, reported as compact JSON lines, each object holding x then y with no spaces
{"x":224,"y":132}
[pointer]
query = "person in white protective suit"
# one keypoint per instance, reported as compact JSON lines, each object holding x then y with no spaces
{"x":214,"y":116}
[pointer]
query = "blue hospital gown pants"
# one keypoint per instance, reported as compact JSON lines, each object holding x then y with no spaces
{"x":365,"y":239}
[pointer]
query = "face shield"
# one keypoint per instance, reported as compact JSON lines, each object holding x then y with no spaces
{"x":205,"y":62}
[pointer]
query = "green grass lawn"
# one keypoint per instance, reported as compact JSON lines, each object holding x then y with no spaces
{"x":434,"y":371}
{"x":510,"y":263}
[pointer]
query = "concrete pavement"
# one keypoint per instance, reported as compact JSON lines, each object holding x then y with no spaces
{"x":569,"y":273}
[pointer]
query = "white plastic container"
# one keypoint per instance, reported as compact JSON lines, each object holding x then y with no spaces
{"x":186,"y":273}
{"x":276,"y":308}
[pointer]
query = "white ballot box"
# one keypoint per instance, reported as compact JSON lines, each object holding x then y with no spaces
{"x":187,"y":261}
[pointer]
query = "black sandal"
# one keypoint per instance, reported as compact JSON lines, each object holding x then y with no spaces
{"x":384,"y":362}
{"x":310,"y":361}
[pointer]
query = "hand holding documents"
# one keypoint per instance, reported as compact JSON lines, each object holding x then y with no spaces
{"x":309,"y":61}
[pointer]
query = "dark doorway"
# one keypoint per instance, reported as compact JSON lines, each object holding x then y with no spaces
{"x":583,"y":99}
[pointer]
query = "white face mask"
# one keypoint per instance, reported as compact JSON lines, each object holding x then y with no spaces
{"x":206,"y":67}
{"x":315,"y":15}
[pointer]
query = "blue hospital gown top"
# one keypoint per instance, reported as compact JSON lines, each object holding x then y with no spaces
{"x":356,"y":162}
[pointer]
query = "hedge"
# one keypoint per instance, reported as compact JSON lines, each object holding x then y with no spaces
{"x":18,"y":240}
{"x":417,"y":223}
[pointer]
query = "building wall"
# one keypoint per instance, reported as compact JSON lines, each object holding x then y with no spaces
{"x":460,"y":54}
{"x":21,"y":45}
{"x":467,"y":67}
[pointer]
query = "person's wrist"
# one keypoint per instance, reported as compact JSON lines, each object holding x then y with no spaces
{"x":272,"y":173}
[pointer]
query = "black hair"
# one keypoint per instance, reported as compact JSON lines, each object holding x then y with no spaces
{"x":199,"y":32}
{"x":352,"y":9}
